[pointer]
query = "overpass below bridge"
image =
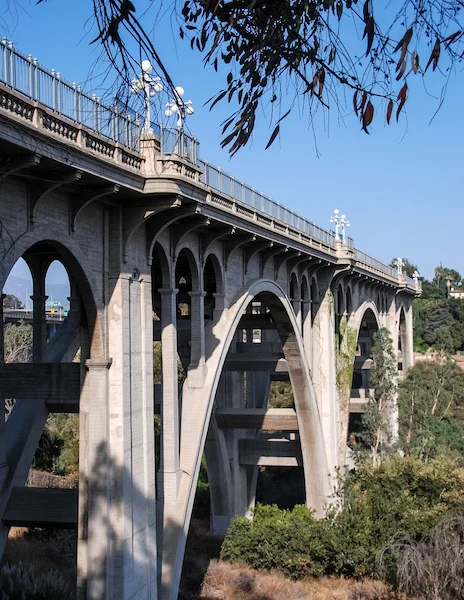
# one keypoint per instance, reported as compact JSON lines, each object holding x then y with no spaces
{"x":160,"y":246}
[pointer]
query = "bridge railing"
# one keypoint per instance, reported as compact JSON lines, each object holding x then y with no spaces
{"x":238,"y":190}
{"x":121,"y":124}
{"x":375,"y":264}
{"x":24,"y":75}
{"x":177,"y":141}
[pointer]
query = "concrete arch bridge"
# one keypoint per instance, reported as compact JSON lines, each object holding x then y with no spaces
{"x":161,"y":246}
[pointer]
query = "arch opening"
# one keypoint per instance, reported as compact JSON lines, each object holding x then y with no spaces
{"x":361,"y":381}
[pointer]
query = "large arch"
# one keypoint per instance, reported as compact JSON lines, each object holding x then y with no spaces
{"x":73,"y":261}
{"x":197,"y":409}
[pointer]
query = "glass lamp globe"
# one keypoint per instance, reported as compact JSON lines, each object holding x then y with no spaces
{"x":168,"y":112}
{"x":189,"y":110}
{"x":180,"y":91}
{"x":146,"y":66}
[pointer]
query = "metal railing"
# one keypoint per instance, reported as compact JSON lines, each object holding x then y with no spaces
{"x":375,"y":264}
{"x":238,"y":190}
{"x":121,"y":124}
{"x":177,"y":141}
{"x":23,"y":74}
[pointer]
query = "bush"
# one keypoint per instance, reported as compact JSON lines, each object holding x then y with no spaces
{"x":19,"y":582}
{"x":293,"y":542}
{"x":431,"y":567}
{"x":399,"y":497}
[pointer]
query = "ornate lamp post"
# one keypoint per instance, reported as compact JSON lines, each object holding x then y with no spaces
{"x":150,"y":86}
{"x":340,"y":222}
{"x":399,"y":264}
{"x":179,"y":107}
{"x":336,"y":220}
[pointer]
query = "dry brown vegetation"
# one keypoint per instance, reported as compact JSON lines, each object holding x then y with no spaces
{"x":45,"y":550}
{"x":225,"y":581}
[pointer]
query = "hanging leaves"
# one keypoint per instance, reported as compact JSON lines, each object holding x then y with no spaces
{"x":434,"y":56}
{"x":367,"y":116}
{"x":403,"y":45}
{"x":402,"y":96}
{"x":389,"y":110}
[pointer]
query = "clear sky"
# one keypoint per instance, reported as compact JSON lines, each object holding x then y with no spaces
{"x":401,"y":187}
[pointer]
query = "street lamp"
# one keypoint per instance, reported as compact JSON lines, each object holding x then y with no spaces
{"x":340,"y":222}
{"x":179,"y":107}
{"x":150,"y":86}
{"x":399,"y":264}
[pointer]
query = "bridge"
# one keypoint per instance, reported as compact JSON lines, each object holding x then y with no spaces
{"x":161,"y":246}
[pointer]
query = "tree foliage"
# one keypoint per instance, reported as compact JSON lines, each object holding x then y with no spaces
{"x":439,"y":323}
{"x":376,"y":434}
{"x":17,"y":342}
{"x":276,"y":52}
{"x":431,"y":409}
{"x":378,"y":503}
{"x":408,"y":267}
{"x":11,"y":301}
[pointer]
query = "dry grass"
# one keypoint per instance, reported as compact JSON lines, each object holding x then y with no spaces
{"x":225,"y":581}
{"x":45,"y":549}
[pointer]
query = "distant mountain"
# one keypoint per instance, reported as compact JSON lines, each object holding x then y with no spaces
{"x":22,"y":289}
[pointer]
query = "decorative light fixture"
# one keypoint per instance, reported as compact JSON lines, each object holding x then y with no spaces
{"x":340,"y":222}
{"x":179,"y":107}
{"x":150,"y":86}
{"x":399,"y":264}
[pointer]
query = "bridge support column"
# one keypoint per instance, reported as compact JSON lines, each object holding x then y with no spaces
{"x":117,"y":530}
{"x":324,"y":375}
{"x":169,"y":468}
{"x":197,"y":368}
{"x":39,"y":327}
{"x":3,"y":465}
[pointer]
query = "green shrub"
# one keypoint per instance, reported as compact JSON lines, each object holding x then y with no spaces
{"x":399,"y":497}
{"x":19,"y":582}
{"x":293,"y":542}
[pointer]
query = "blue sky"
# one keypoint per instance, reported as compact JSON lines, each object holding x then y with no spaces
{"x":400,"y":187}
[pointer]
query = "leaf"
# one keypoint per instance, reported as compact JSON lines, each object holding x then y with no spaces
{"x":389,"y":111}
{"x":450,"y":39}
{"x":434,"y":56}
{"x":401,"y":71}
{"x":368,"y":115}
{"x":355,"y":102}
{"x":218,"y":98}
{"x":415,"y":62}
{"x":404,"y":41}
{"x":275,"y":133}
{"x":285,"y":115}
{"x":366,"y":11}
{"x":369,"y":31}
{"x":321,"y":80}
{"x":402,"y":97}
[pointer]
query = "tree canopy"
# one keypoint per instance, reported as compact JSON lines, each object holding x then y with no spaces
{"x":11,"y":301}
{"x":352,"y":56}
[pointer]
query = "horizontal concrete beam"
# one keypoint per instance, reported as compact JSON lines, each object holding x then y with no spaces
{"x":57,"y":383}
{"x":270,"y":453}
{"x":244,"y":361}
{"x":362,"y":362}
{"x":274,"y":419}
{"x":42,"y":507}
{"x":256,"y":322}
